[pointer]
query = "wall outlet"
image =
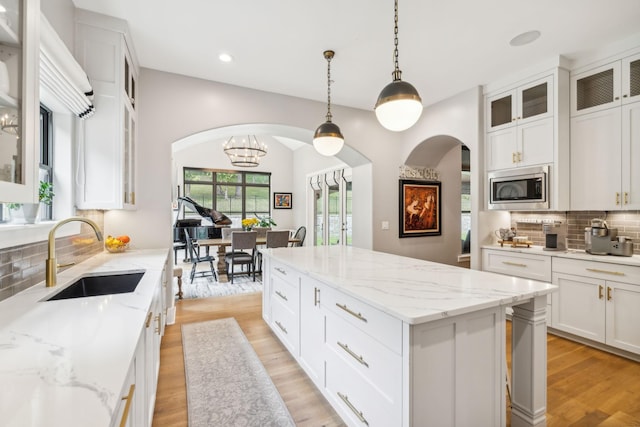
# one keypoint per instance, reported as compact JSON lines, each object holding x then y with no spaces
{"x":385,"y":225}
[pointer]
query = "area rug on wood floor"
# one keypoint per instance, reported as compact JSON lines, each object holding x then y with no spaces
{"x":205,"y":287}
{"x":227,"y":385}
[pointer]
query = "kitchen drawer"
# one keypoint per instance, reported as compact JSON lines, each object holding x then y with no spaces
{"x":285,"y":324}
{"x":356,"y":399}
{"x":597,"y":270}
{"x":285,"y":292}
{"x":377,"y":324}
{"x":527,"y":266}
{"x":365,"y":355}
{"x":285,"y":272}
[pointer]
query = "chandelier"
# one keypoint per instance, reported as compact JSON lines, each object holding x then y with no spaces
{"x":9,"y":124}
{"x":245,"y":152}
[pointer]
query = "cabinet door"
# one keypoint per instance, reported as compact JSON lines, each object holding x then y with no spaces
{"x":535,"y":143}
{"x":596,"y":89}
{"x":596,"y":145}
{"x":502,"y":149}
{"x":631,"y":156}
{"x":623,"y":316}
{"x":501,"y":110}
{"x":535,"y":100}
{"x":312,"y":330}
{"x":631,"y":79}
{"x":19,"y":56}
{"x":579,"y":306}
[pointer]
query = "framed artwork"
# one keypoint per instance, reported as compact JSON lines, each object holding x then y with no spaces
{"x":420,"y":208}
{"x":282,"y":201}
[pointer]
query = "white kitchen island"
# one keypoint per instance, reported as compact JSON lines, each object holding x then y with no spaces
{"x":396,"y":341}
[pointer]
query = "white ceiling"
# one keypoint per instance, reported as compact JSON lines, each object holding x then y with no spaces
{"x":446,"y":46}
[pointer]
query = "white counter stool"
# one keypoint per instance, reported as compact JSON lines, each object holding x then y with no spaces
{"x":177,"y":272}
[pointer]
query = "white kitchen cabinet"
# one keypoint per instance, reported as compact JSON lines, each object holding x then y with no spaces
{"x":107,"y":142}
{"x":19,"y":101}
{"x":520,"y":124}
{"x":152,"y":335}
{"x":129,"y":411}
{"x":312,"y":329}
{"x":609,"y":85}
{"x":608,"y":140}
{"x":285,"y":305}
{"x":598,"y":301}
{"x":518,"y":264}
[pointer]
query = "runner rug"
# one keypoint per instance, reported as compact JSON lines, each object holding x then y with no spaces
{"x":227,"y":385}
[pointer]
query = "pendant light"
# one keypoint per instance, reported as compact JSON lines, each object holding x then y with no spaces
{"x":399,"y":105}
{"x":328,"y":139}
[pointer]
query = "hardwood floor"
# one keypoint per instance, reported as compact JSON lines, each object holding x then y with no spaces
{"x":585,"y":386}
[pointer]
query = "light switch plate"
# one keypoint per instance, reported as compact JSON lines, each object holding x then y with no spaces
{"x":385,"y":225}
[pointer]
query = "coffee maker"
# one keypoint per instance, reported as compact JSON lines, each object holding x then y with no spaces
{"x":555,"y":236}
{"x":601,"y":238}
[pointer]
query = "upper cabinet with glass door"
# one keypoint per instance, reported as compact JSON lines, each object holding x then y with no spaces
{"x":19,"y":24}
{"x":610,"y":85}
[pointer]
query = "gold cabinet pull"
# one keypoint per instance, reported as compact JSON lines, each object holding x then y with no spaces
{"x":617,"y":198}
{"x":513,"y":157}
{"x":316,"y":297}
{"x":281,"y":327}
{"x":597,"y":270}
{"x":281,"y":270}
{"x":158,"y":319}
{"x":351,"y":312}
{"x":626,"y":198}
{"x":358,"y":414}
{"x":148,"y":322}
{"x":519,"y":156}
{"x":514,"y":264}
{"x":609,"y":293}
{"x":127,"y":406}
{"x":281,"y":295}
{"x":359,"y":358}
{"x":600,"y":289}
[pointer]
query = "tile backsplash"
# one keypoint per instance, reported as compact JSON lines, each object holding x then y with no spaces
{"x":530,"y":224}
{"x":24,"y":266}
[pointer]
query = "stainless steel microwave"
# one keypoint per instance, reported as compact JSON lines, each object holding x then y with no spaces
{"x":519,"y":189}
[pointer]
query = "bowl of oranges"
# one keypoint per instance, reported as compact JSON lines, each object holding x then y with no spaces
{"x":117,"y":244}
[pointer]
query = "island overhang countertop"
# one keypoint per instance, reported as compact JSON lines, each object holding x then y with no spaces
{"x":412,"y":290}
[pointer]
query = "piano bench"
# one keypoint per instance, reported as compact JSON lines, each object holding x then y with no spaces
{"x":176,"y":247}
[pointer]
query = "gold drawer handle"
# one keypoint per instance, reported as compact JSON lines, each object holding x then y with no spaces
{"x":600,"y":289}
{"x":281,"y":327}
{"x":359,"y":358}
{"x":127,"y":406}
{"x":149,"y":319}
{"x":358,"y":414}
{"x":609,"y":293}
{"x":351,"y":312}
{"x":284,"y":297}
{"x":158,"y":319}
{"x":597,"y":270}
{"x":283,"y":271}
{"x":515,"y":264}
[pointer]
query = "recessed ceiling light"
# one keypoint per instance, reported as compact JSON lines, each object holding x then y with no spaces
{"x":225,"y":57}
{"x":2,"y":9}
{"x":525,"y":38}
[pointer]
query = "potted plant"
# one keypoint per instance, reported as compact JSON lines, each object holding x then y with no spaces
{"x":30,"y":210}
{"x":265,"y":221}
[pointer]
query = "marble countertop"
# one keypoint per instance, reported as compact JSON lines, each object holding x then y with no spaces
{"x":412,"y":290}
{"x":571,"y":253}
{"x":64,"y":363}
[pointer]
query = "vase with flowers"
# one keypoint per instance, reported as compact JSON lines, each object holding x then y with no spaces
{"x":249,"y":223}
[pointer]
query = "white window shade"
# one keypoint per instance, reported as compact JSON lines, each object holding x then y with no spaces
{"x":61,"y":74}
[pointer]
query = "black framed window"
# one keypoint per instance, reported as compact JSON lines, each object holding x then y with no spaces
{"x":237,"y":194}
{"x":46,"y":156}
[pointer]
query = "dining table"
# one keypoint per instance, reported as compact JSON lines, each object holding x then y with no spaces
{"x":223,"y":244}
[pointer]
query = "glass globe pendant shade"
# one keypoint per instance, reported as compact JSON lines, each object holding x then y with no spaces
{"x":399,"y":106}
{"x":328,"y":139}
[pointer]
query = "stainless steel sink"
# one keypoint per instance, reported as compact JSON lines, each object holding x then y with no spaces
{"x":109,"y":284}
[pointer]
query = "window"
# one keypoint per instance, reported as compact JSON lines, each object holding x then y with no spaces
{"x":46,"y":156}
{"x":237,"y":194}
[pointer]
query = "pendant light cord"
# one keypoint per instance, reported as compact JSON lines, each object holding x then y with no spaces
{"x":396,"y":72}
{"x":329,"y":56}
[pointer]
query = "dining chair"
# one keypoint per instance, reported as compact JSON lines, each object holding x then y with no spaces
{"x":275,"y":239}
{"x":194,"y":255}
{"x":301,"y":232}
{"x":241,"y":243}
